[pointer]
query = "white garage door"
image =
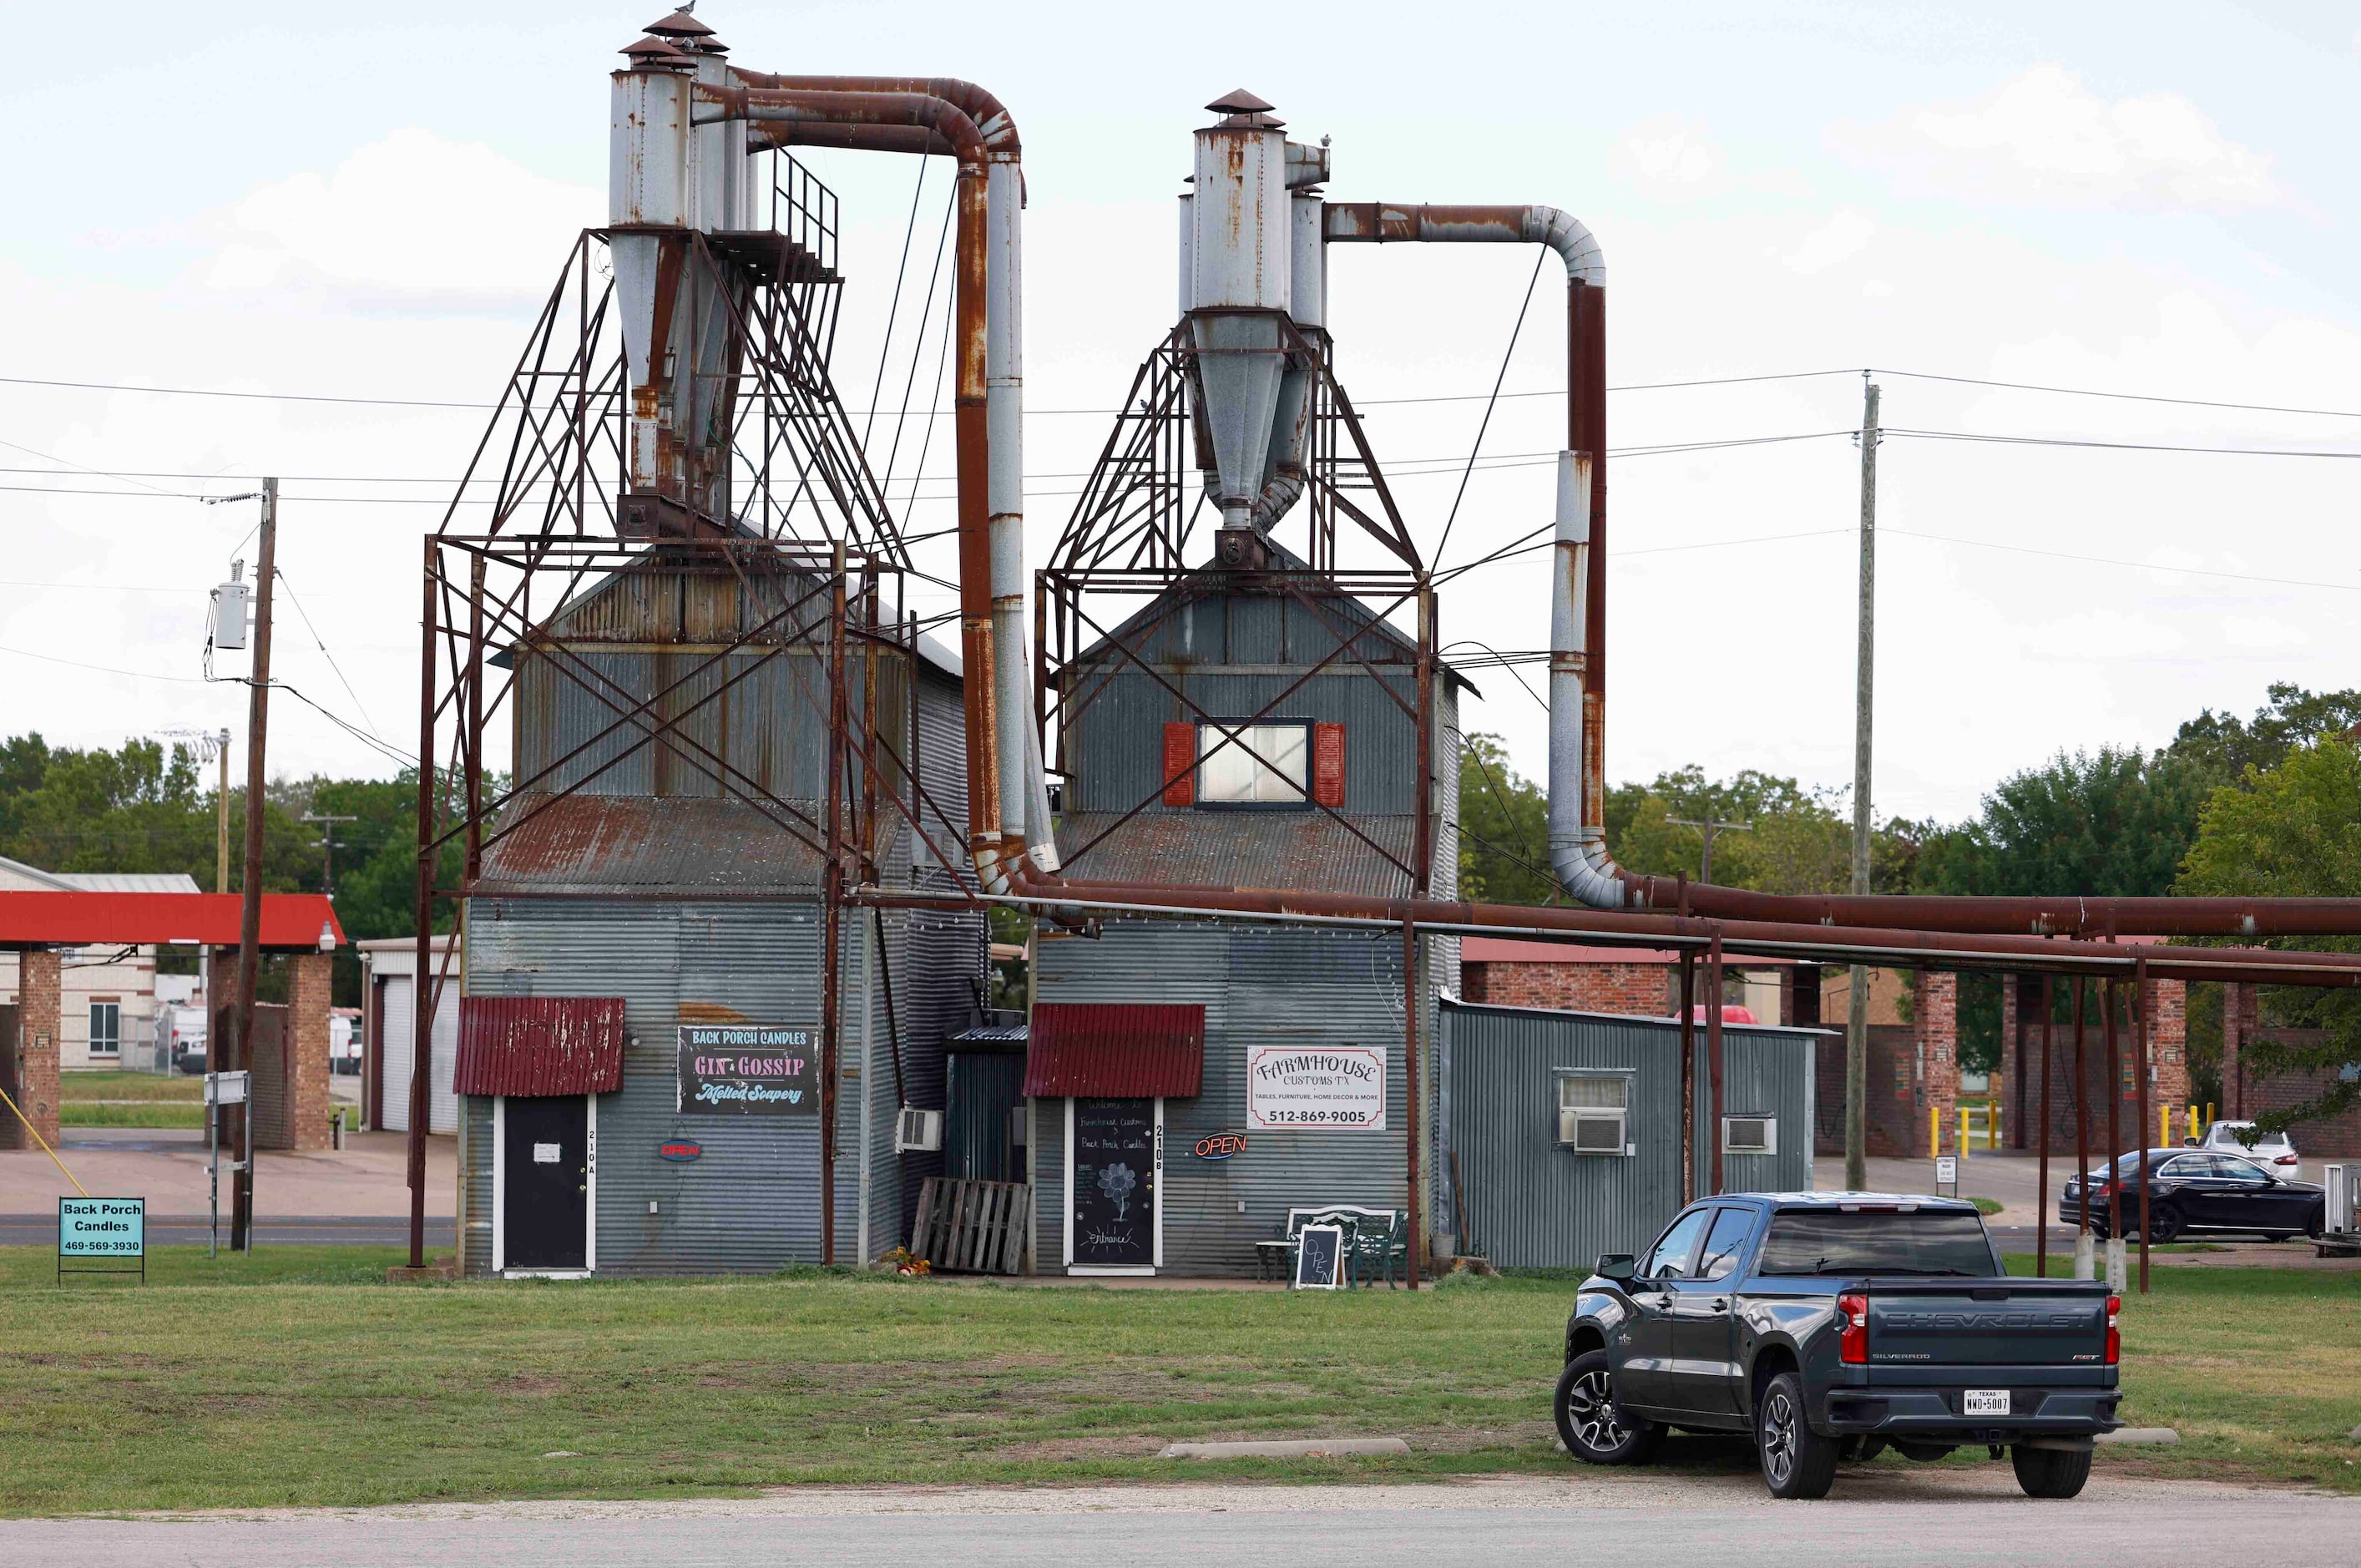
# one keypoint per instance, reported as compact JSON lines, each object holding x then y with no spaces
{"x":443,"y":1105}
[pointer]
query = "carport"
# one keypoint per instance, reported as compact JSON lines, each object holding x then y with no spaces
{"x":289,"y":1049}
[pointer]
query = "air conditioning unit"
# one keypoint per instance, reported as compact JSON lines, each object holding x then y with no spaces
{"x":1750,"y":1134}
{"x":918,"y":1131}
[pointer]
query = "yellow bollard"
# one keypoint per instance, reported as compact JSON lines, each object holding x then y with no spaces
{"x":2209,"y":1117}
{"x":2192,"y":1123}
{"x":1934,"y":1130}
{"x":1991,"y":1123}
{"x":1963,"y":1129}
{"x":2164,"y":1126}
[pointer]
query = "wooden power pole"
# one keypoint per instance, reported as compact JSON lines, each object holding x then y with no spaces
{"x":1864,"y":679}
{"x":249,"y":922}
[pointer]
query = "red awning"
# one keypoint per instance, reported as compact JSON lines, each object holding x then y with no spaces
{"x":289,"y":920}
{"x":540,"y":1045}
{"x":1116,"y":1050}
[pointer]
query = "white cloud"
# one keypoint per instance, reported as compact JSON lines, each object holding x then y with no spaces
{"x":409,"y":219}
{"x":1842,"y":238}
{"x":1665,"y":156}
{"x":2045,"y":136}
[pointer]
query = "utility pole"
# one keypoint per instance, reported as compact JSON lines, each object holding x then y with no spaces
{"x":1707,"y":828}
{"x":221,"y":815}
{"x":327,"y":847}
{"x":249,"y":923}
{"x":1864,"y":680}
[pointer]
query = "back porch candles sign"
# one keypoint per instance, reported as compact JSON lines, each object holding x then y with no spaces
{"x":749,"y":1070}
{"x":1334,"y":1088}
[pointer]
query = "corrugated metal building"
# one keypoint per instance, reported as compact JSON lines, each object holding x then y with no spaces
{"x":676,"y":1124}
{"x":1158,"y":1035}
{"x":1564,"y":1128}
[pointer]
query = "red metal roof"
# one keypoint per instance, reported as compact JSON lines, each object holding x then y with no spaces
{"x":98,"y":919}
{"x":1136,"y":1051}
{"x":540,"y":1045}
{"x":1509,"y":949}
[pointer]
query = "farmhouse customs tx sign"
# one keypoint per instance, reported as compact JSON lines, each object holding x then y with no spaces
{"x":749,"y":1070}
{"x":1332,"y":1088}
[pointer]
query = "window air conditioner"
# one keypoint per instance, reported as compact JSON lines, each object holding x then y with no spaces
{"x":918,"y":1131}
{"x":1750,"y":1134}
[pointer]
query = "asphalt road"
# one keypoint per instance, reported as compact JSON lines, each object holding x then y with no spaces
{"x":1887,"y":1516}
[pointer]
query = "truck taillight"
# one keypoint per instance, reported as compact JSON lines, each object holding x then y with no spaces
{"x":2115,"y":1335}
{"x":1852,"y":1333}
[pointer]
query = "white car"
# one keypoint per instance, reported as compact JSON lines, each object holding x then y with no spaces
{"x":2273,"y":1149}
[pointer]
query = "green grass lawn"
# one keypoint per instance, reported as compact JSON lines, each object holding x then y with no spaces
{"x":297,"y":1378}
{"x":108,"y":1084}
{"x":145,"y":1114}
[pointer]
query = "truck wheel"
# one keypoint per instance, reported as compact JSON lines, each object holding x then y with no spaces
{"x":1796,"y":1461}
{"x":1590,"y":1426}
{"x":2050,"y":1471}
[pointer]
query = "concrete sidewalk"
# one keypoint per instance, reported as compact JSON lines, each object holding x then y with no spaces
{"x":369,"y":1176}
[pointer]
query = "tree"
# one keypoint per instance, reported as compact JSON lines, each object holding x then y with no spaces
{"x":2293,"y":830}
{"x":1503,"y":829}
{"x":2109,"y":822}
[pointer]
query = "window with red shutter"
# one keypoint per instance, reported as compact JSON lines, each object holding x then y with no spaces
{"x":1179,"y":763}
{"x":1328,"y":765}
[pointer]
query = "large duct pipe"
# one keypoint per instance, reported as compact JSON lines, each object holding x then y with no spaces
{"x":1577,"y":761}
{"x":1008,"y":796}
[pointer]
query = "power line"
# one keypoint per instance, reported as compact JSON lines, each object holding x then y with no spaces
{"x":2118,"y":445}
{"x":2126,"y":397}
{"x":2137,"y":565}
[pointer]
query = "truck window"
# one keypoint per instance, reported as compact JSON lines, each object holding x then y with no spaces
{"x":1670,"y":1260}
{"x":1731,"y":1229}
{"x":1877,"y":1241}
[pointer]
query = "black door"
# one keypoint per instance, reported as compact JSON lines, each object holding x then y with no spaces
{"x":1646,"y":1377}
{"x":1115,"y":1183}
{"x":545,"y":1177}
{"x":1704,"y":1374}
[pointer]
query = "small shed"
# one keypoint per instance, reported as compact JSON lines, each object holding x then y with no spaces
{"x":1562,"y":1130}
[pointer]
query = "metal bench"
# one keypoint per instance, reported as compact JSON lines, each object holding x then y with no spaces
{"x":1375,"y":1241}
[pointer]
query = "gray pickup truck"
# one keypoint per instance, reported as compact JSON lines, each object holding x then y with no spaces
{"x":1832,"y":1326}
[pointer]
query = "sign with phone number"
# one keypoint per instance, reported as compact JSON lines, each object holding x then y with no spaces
{"x":102,"y":1227}
{"x":1323,"y":1089}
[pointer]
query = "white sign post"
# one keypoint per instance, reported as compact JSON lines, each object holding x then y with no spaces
{"x":224,"y":1089}
{"x":1947,"y":1174}
{"x":1316,"y":1089}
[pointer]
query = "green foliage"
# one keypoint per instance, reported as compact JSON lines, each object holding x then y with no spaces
{"x":2293,"y":830}
{"x":2109,"y":822}
{"x":1503,"y":828}
{"x":1792,"y":840}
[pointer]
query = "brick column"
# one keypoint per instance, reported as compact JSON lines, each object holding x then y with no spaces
{"x":2165,"y":1005}
{"x":307,"y":1055}
{"x":221,"y":996}
{"x":39,"y":979}
{"x":2237,"y":1011}
{"x":1935,"y":1035}
{"x":2012,"y":1062}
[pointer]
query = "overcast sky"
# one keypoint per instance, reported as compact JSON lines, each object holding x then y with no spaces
{"x":2156,"y":199}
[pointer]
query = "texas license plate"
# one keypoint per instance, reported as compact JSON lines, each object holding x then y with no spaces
{"x":1986,"y":1402}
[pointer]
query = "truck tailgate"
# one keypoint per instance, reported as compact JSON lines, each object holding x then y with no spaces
{"x":1958,"y":1322}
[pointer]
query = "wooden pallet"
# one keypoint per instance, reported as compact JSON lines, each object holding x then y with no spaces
{"x":972,"y":1227}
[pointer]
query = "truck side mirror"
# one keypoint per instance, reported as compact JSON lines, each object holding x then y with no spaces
{"x":1617,"y":1267}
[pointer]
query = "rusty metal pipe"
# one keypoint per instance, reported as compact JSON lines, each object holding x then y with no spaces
{"x":1577,"y":768}
{"x":2248,"y":918}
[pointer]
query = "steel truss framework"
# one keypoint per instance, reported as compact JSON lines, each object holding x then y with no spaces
{"x":804,"y":511}
{"x":1129,"y":536}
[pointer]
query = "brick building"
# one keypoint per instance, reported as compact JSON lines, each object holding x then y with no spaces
{"x":1635,"y":982}
{"x":2165,"y":1003}
{"x":2248,"y":1093}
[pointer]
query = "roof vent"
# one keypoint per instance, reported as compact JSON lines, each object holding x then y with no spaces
{"x":680,"y":25}
{"x":1243,"y":108}
{"x":655,"y":54}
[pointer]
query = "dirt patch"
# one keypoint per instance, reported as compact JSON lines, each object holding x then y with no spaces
{"x":529,"y":1385}
{"x":1059,"y":1450}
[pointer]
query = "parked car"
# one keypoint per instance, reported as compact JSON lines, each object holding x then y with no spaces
{"x":1832,"y":1326}
{"x":2199,"y":1189}
{"x":2270,"y":1148}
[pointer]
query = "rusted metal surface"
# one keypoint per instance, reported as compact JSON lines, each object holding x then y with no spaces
{"x":1244,"y":848}
{"x":2250,"y":918}
{"x":594,"y":844}
{"x":1114,"y":1051}
{"x":540,"y":1045}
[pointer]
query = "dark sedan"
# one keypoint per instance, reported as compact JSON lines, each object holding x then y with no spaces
{"x":2199,"y":1190}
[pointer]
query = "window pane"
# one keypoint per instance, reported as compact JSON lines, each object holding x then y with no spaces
{"x":1671,"y":1258}
{"x":1831,"y":1241}
{"x":1232,"y":776}
{"x":1721,"y":1244}
{"x":1602,"y":1093}
{"x":1286,"y":745}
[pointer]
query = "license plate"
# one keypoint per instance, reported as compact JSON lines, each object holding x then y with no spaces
{"x":1986,"y":1402}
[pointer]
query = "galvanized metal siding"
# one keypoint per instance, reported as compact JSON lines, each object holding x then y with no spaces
{"x":1297,"y":988}
{"x":751,"y":1203}
{"x":474,"y":1185}
{"x":770,"y":726}
{"x":942,"y":956}
{"x":1764,"y":1072}
{"x":1531,"y":1203}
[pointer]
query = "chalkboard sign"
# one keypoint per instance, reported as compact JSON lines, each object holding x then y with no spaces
{"x":1114,"y":1182}
{"x":1319,"y":1260}
{"x":748,"y":1070}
